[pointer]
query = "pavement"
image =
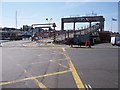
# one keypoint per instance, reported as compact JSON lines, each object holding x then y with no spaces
{"x":48,"y":42}
{"x":27,"y":43}
{"x":59,"y":66}
{"x":37,"y":68}
{"x":98,"y":68}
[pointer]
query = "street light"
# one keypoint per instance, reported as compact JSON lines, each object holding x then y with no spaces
{"x":49,"y":20}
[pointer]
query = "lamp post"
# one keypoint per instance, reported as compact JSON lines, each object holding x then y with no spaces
{"x":49,"y":20}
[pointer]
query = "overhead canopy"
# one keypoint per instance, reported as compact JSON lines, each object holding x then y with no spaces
{"x":53,"y":24}
{"x":88,"y":19}
{"x":83,"y":19}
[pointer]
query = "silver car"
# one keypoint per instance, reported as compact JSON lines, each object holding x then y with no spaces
{"x":117,"y":41}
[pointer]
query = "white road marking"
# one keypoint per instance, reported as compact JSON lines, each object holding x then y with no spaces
{"x":90,"y":86}
{"x":86,"y":87}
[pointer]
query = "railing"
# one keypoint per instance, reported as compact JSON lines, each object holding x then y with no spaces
{"x":62,"y":35}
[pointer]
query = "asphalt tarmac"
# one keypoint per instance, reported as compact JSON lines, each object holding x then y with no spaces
{"x":59,"y":67}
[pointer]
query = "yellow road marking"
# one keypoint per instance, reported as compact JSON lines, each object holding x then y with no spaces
{"x":34,"y":77}
{"x":41,"y":85}
{"x":72,"y":69}
{"x":74,"y":72}
{"x":59,"y":64}
{"x":63,"y":59}
{"x":48,"y":61}
{"x":37,"y":82}
{"x":64,"y":49}
{"x":51,"y":53}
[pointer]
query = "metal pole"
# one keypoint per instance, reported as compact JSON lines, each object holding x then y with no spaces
{"x":54,"y":37}
{"x":65,"y":34}
{"x":74,"y":28}
{"x":111,"y":25}
{"x":68,"y":34}
{"x":16,"y":19}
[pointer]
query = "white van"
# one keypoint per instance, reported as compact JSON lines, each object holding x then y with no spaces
{"x":115,"y":41}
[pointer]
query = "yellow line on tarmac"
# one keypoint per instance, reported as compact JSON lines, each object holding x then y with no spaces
{"x":34,"y":77}
{"x":74,"y":72}
{"x":38,"y":82}
{"x":62,"y":59}
{"x":48,"y":61}
{"x":40,"y":85}
{"x":59,"y":64}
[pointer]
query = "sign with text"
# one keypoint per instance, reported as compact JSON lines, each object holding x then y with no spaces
{"x":83,"y":19}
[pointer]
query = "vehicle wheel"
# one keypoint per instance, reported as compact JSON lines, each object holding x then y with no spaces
{"x":113,"y":44}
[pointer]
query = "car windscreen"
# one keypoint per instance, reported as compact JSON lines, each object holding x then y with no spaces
{"x":117,"y":38}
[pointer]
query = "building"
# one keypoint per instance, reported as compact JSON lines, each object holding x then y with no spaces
{"x":7,"y":33}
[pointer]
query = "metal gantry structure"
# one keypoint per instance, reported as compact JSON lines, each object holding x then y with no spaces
{"x":84,"y":19}
{"x":91,"y":29}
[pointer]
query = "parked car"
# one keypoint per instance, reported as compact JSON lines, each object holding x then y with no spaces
{"x":115,"y":41}
{"x":118,"y":41}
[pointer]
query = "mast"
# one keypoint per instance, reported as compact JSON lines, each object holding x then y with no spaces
{"x":16,"y":19}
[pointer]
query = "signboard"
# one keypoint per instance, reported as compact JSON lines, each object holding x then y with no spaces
{"x":83,"y":19}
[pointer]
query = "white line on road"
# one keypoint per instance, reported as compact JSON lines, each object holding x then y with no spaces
{"x":86,"y":87}
{"x":90,"y":86}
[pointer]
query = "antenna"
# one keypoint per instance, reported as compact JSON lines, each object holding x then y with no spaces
{"x":16,"y":19}
{"x":91,"y":14}
{"x":94,"y":13}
